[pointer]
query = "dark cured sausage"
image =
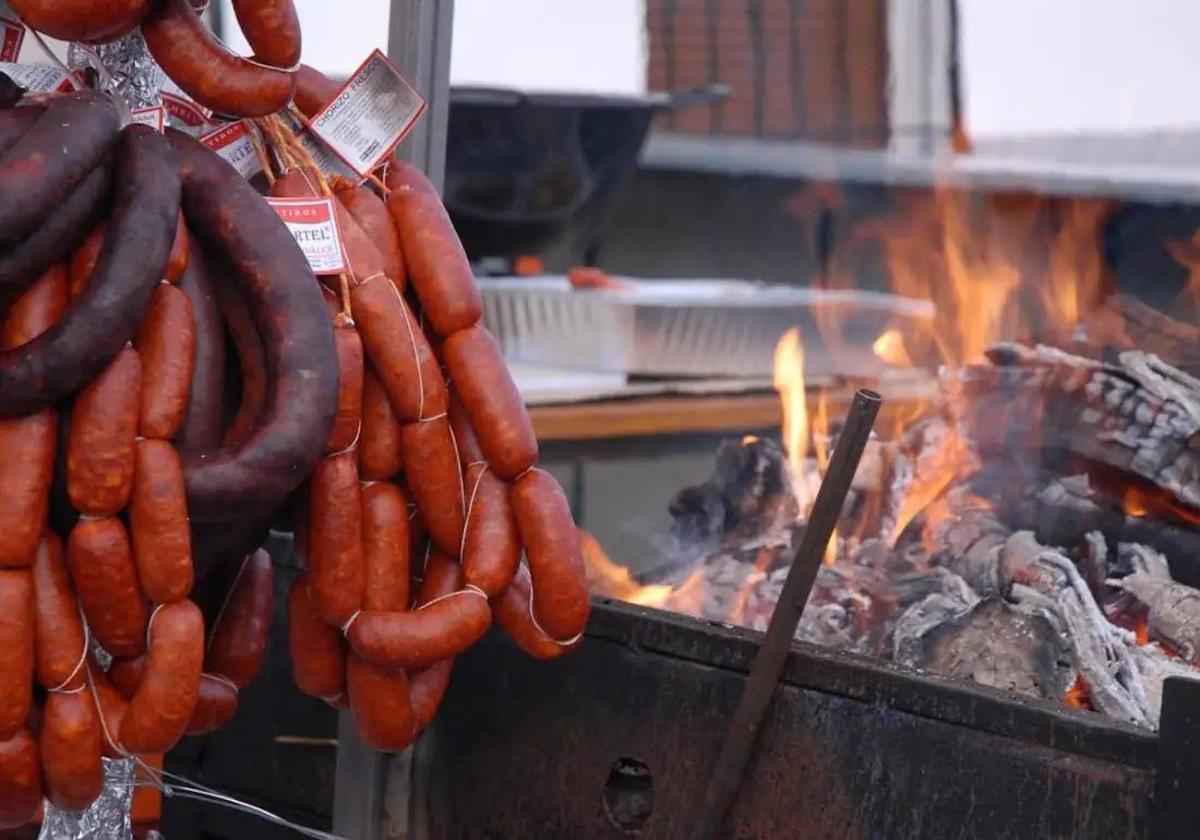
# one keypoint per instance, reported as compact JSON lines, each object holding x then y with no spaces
{"x":318,"y":653}
{"x":20,"y":780}
{"x":380,"y":451}
{"x":335,"y":553}
{"x":100,"y":449}
{"x":215,"y":707}
{"x":101,"y":565}
{"x":84,"y":257}
{"x":435,"y":480}
{"x":70,"y":741}
{"x":386,"y":547}
{"x":283,"y":297}
{"x":161,"y":709}
{"x":27,"y":446}
{"x":166,"y":344}
{"x":201,"y":426}
{"x":491,"y":548}
{"x":14,"y":122}
{"x":97,"y":21}
{"x":61,"y":231}
{"x":491,"y":400}
{"x":107,"y":314}
{"x":41,"y":169}
{"x":58,"y":629}
{"x":238,"y":644}
{"x":437,"y":265}
{"x":272,"y":30}
{"x":560,"y":593}
{"x":512,"y":613}
{"x":251,"y":361}
{"x":207,"y":71}
{"x":158,"y":523}
{"x":16,"y":650}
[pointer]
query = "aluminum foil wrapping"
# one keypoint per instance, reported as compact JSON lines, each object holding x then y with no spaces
{"x":123,"y":67}
{"x":108,"y":818}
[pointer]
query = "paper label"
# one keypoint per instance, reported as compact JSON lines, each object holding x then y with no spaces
{"x":328,"y":162}
{"x":312,"y":223}
{"x":370,"y":115}
{"x":155,"y":117}
{"x":13,"y":34}
{"x":182,"y":108}
{"x":234,"y":144}
{"x":38,"y":78}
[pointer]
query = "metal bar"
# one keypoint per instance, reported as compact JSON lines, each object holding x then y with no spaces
{"x":1177,"y":775}
{"x":419,"y":38}
{"x":358,"y":785}
{"x":770,"y":659}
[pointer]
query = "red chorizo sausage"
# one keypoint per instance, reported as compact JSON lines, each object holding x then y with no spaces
{"x":100,"y":449}
{"x":418,"y":535}
{"x":335,"y":553}
{"x":70,"y":741}
{"x":158,"y":523}
{"x":386,"y":546}
{"x":159,"y":712}
{"x":238,"y":644}
{"x":492,"y":401}
{"x":426,"y":690}
{"x":126,"y":675}
{"x":437,"y":265}
{"x":58,"y":628}
{"x":272,"y":30}
{"x":399,"y":175}
{"x":464,"y":435}
{"x":208,"y":72}
{"x":36,"y":309}
{"x":251,"y":359}
{"x":491,"y":548}
{"x":372,"y":216}
{"x":399,"y":351}
{"x":317,"y":649}
{"x":20,"y":780}
{"x":106,"y":316}
{"x":166,"y":345}
{"x":216,"y":706}
{"x":347,"y":423}
{"x":27,"y":448}
{"x":512,"y":612}
{"x":106,"y":583}
{"x":435,"y":479}
{"x":111,"y":706}
{"x":314,"y":90}
{"x":380,"y":451}
{"x":379,"y":701}
{"x":423,"y":637}
{"x":84,"y":257}
{"x":180,"y":252}
{"x":202,"y":422}
{"x":281,"y":294}
{"x":16,"y":649}
{"x":96,"y":21}
{"x":560,"y":591}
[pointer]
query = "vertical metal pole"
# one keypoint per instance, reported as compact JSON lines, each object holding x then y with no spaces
{"x":419,"y":44}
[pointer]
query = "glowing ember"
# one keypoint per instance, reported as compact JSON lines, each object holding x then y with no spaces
{"x":1078,"y":696}
{"x":889,"y":347}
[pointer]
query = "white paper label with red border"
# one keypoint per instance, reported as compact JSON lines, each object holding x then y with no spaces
{"x":13,"y":34}
{"x":155,"y":117}
{"x":371,"y":114}
{"x":181,"y":107}
{"x":312,"y":223}
{"x":38,"y":78}
{"x":234,"y":144}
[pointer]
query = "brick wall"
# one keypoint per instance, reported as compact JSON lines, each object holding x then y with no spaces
{"x":808,"y":69}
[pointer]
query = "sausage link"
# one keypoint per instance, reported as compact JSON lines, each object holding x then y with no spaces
{"x":435,"y":480}
{"x":314,"y":90}
{"x":491,"y":548}
{"x":379,"y":701}
{"x":251,"y":359}
{"x":202,"y":422}
{"x":216,"y":706}
{"x":70,"y":741}
{"x":100,"y":322}
{"x":166,"y":345}
{"x":20,"y":780}
{"x":386,"y":546}
{"x":180,"y":252}
{"x":492,"y":401}
{"x":238,"y":644}
{"x":27,"y":450}
{"x":464,"y":434}
{"x":423,"y":637}
{"x":437,"y":265}
{"x":111,"y":706}
{"x":281,"y":294}
{"x":16,"y":122}
{"x":84,"y":258}
{"x":126,"y":675}
{"x":100,"y":450}
{"x":350,"y":386}
{"x":513,"y":613}
{"x":427,"y":687}
{"x":317,"y":649}
{"x":206,"y":70}
{"x":560,"y":591}
{"x":371,"y":213}
{"x":16,"y":650}
{"x":58,"y":629}
{"x":335,"y":553}
{"x":158,"y":523}
{"x":95,"y":21}
{"x":161,"y":709}
{"x":398,"y":351}
{"x":272,"y":30}
{"x":380,"y":451}
{"x":36,"y":309}
{"x":106,"y":583}
{"x":418,"y":535}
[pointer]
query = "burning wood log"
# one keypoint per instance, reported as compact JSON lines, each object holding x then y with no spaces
{"x":1173,"y":610}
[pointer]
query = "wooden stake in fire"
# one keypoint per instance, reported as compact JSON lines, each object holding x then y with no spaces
{"x":769,"y":662}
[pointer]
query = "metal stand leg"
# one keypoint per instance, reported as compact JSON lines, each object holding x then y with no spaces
{"x":1176,"y":810}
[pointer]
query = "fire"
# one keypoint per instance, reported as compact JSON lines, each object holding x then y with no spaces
{"x":1078,"y":696}
{"x":889,"y":347}
{"x":1142,"y":630}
